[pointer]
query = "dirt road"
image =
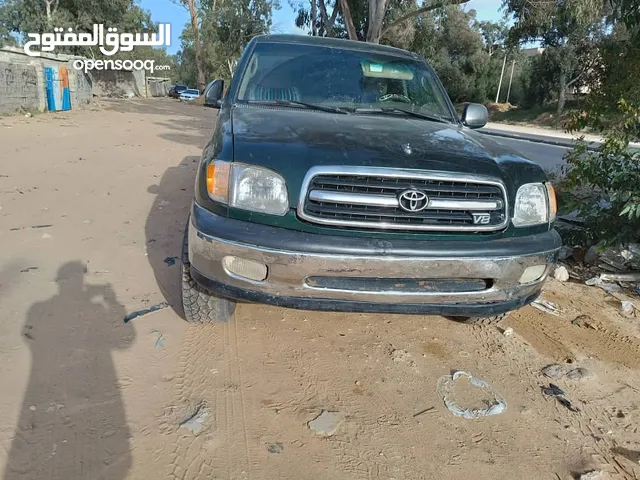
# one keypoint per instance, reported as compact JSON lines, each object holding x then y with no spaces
{"x":93,"y":207}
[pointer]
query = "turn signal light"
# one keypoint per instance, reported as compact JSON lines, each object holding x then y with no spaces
{"x":553,"y":202}
{"x":218,"y":181}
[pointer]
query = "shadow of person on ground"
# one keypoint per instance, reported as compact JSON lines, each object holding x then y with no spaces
{"x":165,"y":227}
{"x":72,"y":423}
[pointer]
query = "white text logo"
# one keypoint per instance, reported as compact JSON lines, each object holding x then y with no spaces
{"x":110,"y":44}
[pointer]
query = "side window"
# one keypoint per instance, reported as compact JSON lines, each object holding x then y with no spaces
{"x":421,"y":91}
{"x":249,"y":73}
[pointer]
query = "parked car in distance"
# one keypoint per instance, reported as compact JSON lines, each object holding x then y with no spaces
{"x":189,"y":95}
{"x":176,"y":90}
{"x":339,"y":177}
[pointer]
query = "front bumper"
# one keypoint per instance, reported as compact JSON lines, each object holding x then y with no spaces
{"x":361,"y":273}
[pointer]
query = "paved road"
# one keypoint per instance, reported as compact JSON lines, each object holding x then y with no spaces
{"x":549,"y":157}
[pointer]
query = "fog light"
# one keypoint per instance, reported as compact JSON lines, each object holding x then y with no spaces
{"x":245,"y":268}
{"x":531,"y":274}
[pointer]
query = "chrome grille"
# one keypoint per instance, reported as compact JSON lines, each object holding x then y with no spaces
{"x":377,"y":198}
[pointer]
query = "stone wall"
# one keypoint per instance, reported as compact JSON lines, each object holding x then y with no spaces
{"x":119,"y":83}
{"x":23,"y":84}
{"x":18,"y":87}
{"x":158,"y":86}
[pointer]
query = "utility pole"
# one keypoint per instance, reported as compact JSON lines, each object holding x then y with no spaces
{"x":513,"y":64}
{"x":504,"y":63}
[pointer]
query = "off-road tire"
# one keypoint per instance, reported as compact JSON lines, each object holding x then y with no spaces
{"x":198,"y":304}
{"x":485,"y":321}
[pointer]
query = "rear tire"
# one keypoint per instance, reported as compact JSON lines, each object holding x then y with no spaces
{"x":200,"y":305}
{"x":485,"y":321}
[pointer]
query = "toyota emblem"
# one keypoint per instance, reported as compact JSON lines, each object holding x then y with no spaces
{"x":413,"y":200}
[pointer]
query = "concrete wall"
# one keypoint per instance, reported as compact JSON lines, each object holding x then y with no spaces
{"x":158,"y":86}
{"x":23,"y":85}
{"x":119,"y":83}
{"x":18,"y":87}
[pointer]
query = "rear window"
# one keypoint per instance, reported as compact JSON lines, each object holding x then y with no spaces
{"x":192,"y":92}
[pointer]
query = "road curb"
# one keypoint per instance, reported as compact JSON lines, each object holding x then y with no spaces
{"x":547,"y":140}
{"x":558,"y":142}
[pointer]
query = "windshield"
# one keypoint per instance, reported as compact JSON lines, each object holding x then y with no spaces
{"x":339,"y":77}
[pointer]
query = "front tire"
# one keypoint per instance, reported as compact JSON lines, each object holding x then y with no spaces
{"x":198,"y":304}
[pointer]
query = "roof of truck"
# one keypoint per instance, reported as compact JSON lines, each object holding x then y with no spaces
{"x":335,"y":43}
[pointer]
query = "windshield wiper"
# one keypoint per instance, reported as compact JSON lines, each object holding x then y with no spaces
{"x":394,"y":110}
{"x":295,"y":103}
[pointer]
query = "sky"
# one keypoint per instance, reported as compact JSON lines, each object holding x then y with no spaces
{"x":165,"y":11}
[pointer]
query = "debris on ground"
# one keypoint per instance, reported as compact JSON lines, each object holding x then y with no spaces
{"x":159,"y":338}
{"x":564,"y":253}
{"x":170,"y":261}
{"x":28,"y":269}
{"x":422,"y":412}
{"x":628,"y":308}
{"x":327,"y":423}
{"x":556,"y":392}
{"x":592,"y":475}
{"x":494,"y":403}
{"x":620,"y":277}
{"x":26,"y":331}
{"x":577,"y":373}
{"x":194,"y":422}
{"x":275,"y":447}
{"x":584,"y":321}
{"x":507,"y":332}
{"x":607,"y":287}
{"x":402,"y":356}
{"x":555,"y":371}
{"x":546,"y":307}
{"x":561,"y":273}
{"x":145,"y":311}
{"x":632,"y":455}
{"x":558,"y":371}
{"x":591,"y":256}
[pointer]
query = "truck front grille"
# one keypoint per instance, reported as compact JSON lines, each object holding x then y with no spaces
{"x":402,"y":200}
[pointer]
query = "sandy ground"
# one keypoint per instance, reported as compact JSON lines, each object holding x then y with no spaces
{"x":93,"y":202}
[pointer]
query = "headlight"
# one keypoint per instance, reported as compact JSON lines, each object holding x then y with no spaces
{"x":247,"y":187}
{"x":535,"y":204}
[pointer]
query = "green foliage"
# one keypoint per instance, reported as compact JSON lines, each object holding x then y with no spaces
{"x":569,"y":30}
{"x":612,"y":107}
{"x":611,"y":178}
{"x":224,"y":32}
{"x":452,"y":40}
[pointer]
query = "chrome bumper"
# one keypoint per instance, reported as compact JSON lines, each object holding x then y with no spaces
{"x":288,"y":273}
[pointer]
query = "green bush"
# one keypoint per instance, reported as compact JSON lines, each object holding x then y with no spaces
{"x":604,"y":185}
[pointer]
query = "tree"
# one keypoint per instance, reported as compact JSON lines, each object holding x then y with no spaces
{"x":494,"y":35}
{"x":225,"y":28}
{"x":452,"y":41}
{"x":611,"y":174}
{"x":369,"y":21}
{"x":194,"y":7}
{"x":569,"y":31}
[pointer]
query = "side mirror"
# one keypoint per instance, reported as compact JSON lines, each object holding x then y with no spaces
{"x":475,"y":115}
{"x":213,"y":94}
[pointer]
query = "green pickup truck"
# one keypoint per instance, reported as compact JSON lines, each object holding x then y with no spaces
{"x":339,"y":177}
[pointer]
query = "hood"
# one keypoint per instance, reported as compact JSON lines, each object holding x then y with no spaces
{"x":290,"y":141}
